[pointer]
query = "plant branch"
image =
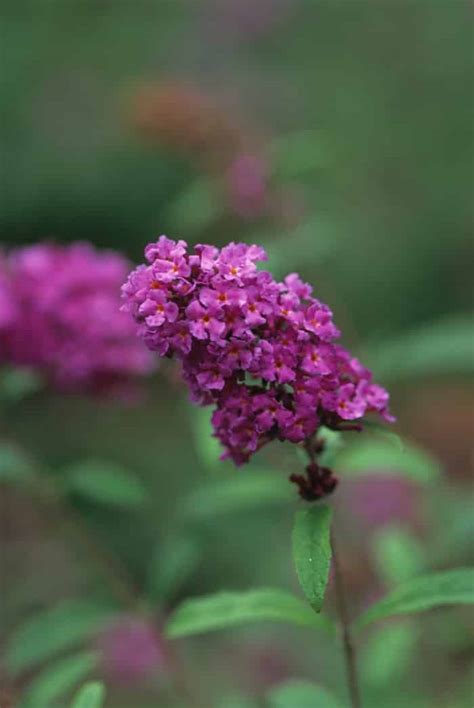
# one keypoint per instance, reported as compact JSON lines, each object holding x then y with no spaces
{"x":349,"y":648}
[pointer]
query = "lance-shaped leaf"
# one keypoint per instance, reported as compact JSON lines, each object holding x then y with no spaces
{"x":229,"y":609}
{"x":389,"y":654}
{"x":105,"y":483}
{"x":399,"y":556}
{"x":450,"y":587}
{"x":59,"y":679}
{"x":301,"y":694}
{"x":173,"y":562}
{"x":312,"y":551}
{"x":18,"y":383}
{"x":14,"y":465}
{"x":91,"y":695}
{"x":52,"y":631}
{"x":240,"y":492}
{"x":442,"y":347}
{"x":382,"y":456}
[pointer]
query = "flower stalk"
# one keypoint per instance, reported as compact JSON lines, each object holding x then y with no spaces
{"x":347,"y":640}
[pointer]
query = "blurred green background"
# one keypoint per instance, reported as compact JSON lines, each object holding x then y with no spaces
{"x":121,"y":121}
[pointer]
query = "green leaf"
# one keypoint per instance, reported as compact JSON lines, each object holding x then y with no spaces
{"x":236,"y":701}
{"x":172,"y":563}
{"x":398,"y":555}
{"x":385,"y":432}
{"x":450,"y":587}
{"x":452,"y":510}
{"x":301,"y":694}
{"x":382,"y":456}
{"x":310,"y":242}
{"x":53,"y":631}
{"x":239,"y":492}
{"x":298,"y":154}
{"x":312,"y":551}
{"x":59,"y":678}
{"x":14,"y":466}
{"x":105,"y":483}
{"x":444,"y":347}
{"x":91,"y":695}
{"x":229,"y":609}
{"x":333,"y":444}
{"x":18,"y":383}
{"x":208,"y":447}
{"x":389,"y":654}
{"x":196,"y":208}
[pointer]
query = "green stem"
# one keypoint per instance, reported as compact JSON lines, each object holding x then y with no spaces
{"x":349,"y":648}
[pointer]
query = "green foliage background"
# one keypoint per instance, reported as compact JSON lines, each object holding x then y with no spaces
{"x":364,"y":110}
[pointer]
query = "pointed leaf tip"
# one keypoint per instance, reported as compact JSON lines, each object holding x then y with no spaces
{"x":312,"y":551}
{"x":449,"y":587}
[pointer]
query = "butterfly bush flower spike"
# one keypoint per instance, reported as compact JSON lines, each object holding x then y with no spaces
{"x":263,"y":352}
{"x":60,"y":314}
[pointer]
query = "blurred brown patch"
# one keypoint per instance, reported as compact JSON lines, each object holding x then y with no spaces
{"x":184,"y":118}
{"x":441,"y":418}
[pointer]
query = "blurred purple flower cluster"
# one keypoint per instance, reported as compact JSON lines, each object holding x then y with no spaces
{"x":7,"y":301}
{"x":132,"y":649}
{"x":60,"y":314}
{"x":262,"y":351}
{"x":247,"y":186}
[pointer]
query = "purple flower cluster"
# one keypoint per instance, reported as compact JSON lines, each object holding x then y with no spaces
{"x":60,"y":313}
{"x":132,"y":649}
{"x":247,"y":186}
{"x":261,"y":350}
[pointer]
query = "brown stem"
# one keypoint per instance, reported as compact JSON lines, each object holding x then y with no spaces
{"x":349,"y":649}
{"x":114,"y":573}
{"x":309,"y":447}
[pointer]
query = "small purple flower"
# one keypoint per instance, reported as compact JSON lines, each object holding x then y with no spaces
{"x":167,"y":270}
{"x":290,"y":309}
{"x":221,"y":295}
{"x":211,"y":377}
{"x":237,"y":262}
{"x":206,"y":258}
{"x":203,"y":321}
{"x":256,"y":309}
{"x":377,"y":400}
{"x":236,"y":355}
{"x":157,"y":310}
{"x":301,"y":426}
{"x":350,"y":404}
{"x":181,"y":339}
{"x":318,"y":320}
{"x":307,"y":391}
{"x":318,"y":359}
{"x":296,"y":286}
{"x":284,"y":364}
{"x":269,"y":411}
{"x":165,"y":248}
